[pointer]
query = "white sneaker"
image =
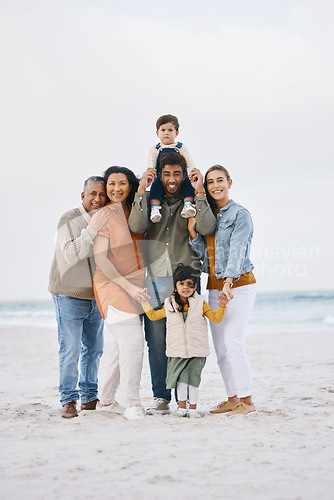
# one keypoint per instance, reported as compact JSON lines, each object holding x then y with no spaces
{"x":188,"y":210}
{"x":113,"y":407}
{"x":134,"y":412}
{"x":180,"y":412}
{"x":155,"y":214}
{"x":194,"y":414}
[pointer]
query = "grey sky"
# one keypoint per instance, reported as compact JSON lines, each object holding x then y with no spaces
{"x":251,"y":82}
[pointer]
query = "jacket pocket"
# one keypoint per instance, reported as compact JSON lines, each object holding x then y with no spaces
{"x":225,"y":230}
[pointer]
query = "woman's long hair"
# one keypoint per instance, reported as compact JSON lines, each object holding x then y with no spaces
{"x":182,"y":273}
{"x":132,"y":179}
{"x":211,"y":201}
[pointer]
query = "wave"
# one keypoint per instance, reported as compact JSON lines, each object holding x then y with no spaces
{"x":315,"y":296}
{"x":328,"y":320}
{"x":27,"y":313}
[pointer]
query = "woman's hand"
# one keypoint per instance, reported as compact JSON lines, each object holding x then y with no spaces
{"x":99,"y":220}
{"x":227,"y":291}
{"x":196,"y":179}
{"x":137,"y":293}
{"x":223,"y":300}
{"x":147,"y":178}
{"x":191,"y":227}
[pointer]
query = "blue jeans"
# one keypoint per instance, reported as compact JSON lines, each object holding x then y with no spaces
{"x":80,"y":331}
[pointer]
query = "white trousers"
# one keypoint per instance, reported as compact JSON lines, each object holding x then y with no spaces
{"x":126,"y":357}
{"x":229,"y":337}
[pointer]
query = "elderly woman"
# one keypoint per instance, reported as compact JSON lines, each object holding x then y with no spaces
{"x":225,"y":256}
{"x":117,"y":286}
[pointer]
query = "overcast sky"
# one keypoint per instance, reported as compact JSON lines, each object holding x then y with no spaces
{"x":252,"y":82}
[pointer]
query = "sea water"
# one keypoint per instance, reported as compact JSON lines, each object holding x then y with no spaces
{"x":273,"y":312}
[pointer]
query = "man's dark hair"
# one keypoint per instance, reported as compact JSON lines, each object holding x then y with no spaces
{"x":94,"y":178}
{"x":168,"y":119}
{"x":132,"y":179}
{"x":172,"y":158}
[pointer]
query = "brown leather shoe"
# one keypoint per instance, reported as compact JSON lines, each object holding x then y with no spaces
{"x":91,"y":405}
{"x":69,"y":410}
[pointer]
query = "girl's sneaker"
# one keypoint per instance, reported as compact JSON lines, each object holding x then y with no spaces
{"x":194,"y":414}
{"x":180,"y":412}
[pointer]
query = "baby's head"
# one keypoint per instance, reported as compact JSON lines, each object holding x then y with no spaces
{"x":167,"y":129}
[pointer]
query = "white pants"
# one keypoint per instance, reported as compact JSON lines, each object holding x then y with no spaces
{"x":126,"y":357}
{"x":183,"y":390}
{"x":229,"y":337}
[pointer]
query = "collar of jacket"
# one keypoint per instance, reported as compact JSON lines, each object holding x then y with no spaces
{"x":230,"y":203}
{"x":171,"y":200}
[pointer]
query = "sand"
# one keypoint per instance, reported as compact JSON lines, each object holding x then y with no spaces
{"x":283,"y":451}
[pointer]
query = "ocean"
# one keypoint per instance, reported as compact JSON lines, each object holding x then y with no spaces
{"x":273,"y":312}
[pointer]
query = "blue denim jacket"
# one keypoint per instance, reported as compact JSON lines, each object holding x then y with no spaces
{"x":233,"y":236}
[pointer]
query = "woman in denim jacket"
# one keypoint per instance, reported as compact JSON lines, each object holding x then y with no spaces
{"x":225,"y":257}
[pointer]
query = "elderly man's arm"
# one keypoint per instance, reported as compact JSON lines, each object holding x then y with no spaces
{"x":75,"y":242}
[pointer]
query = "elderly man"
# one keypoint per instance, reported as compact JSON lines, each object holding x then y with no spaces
{"x":166,"y":248}
{"x":80,"y":326}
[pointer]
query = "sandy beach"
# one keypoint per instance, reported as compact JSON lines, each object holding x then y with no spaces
{"x":283,"y":451}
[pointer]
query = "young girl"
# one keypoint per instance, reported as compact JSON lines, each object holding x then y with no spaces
{"x":187,"y":336}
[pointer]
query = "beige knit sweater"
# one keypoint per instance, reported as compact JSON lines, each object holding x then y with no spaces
{"x":73,"y":264}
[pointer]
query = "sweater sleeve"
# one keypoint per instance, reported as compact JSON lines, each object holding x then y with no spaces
{"x":74,"y":242}
{"x":209,"y":313}
{"x":186,"y":155}
{"x":152,"y":158}
{"x":152,"y":314}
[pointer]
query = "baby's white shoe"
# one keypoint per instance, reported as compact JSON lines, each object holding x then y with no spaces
{"x":155,"y":214}
{"x":188,"y":210}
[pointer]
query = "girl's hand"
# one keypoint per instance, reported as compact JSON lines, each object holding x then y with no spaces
{"x":147,"y":178}
{"x":196,"y":179}
{"x":227,"y":291}
{"x":223,"y":300}
{"x":191,"y":227}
